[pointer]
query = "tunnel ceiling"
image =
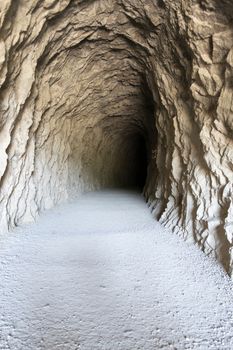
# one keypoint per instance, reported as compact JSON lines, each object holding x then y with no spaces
{"x":84,"y":85}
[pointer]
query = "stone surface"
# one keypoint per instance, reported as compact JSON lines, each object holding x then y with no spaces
{"x":81,"y":279}
{"x":83,"y":81}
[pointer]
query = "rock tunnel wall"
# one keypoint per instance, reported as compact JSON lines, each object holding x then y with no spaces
{"x":84,"y":83}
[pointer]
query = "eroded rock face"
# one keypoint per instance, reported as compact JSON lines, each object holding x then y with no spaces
{"x":86,"y":85}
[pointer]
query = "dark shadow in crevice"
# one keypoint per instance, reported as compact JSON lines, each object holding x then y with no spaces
{"x":140,"y":159}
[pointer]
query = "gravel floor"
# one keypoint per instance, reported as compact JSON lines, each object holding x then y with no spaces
{"x":101,"y":273}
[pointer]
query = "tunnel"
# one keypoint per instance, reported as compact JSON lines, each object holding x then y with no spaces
{"x":116,"y":153}
{"x":102,"y":94}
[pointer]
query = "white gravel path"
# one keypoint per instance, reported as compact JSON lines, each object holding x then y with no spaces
{"x":100,"y":273}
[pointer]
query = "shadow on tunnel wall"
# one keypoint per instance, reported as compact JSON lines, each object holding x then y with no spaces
{"x":110,"y":160}
{"x":116,"y":150}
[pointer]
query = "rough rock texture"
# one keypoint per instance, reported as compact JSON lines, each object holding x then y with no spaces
{"x":84,"y":84}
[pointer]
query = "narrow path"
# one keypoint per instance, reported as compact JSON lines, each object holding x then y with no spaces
{"x":100,"y":273}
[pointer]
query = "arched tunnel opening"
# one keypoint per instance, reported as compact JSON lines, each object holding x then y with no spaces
{"x":117,"y":149}
{"x":97,"y":94}
{"x":99,"y":98}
